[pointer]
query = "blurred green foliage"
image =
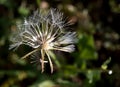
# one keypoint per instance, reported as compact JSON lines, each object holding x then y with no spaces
{"x":97,"y":51}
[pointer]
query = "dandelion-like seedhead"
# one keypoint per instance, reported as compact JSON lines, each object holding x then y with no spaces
{"x":44,"y":31}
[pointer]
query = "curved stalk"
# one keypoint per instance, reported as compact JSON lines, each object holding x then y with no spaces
{"x":42,"y":62}
{"x":51,"y":65}
{"x":25,"y":56}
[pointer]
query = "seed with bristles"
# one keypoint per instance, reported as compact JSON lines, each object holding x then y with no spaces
{"x":44,"y":31}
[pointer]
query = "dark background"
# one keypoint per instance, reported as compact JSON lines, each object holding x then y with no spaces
{"x":97,"y":23}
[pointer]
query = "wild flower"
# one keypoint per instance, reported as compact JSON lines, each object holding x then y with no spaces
{"x":44,"y":32}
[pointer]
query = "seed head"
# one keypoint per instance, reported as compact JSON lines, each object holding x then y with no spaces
{"x":44,"y":31}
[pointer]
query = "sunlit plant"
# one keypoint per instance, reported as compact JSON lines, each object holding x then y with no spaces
{"x":44,"y":32}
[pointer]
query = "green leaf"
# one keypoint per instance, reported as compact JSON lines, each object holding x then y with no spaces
{"x":46,"y":83}
{"x":93,"y":75}
{"x":86,"y":45}
{"x":22,"y":10}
